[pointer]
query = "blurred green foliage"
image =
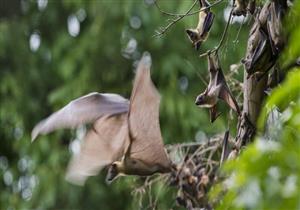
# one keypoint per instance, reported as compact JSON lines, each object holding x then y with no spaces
{"x":54,"y":51}
{"x":267,"y":173}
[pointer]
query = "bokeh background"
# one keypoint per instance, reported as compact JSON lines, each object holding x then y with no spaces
{"x":53,"y":51}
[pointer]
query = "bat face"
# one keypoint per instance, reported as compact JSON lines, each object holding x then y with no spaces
{"x":193,"y":35}
{"x":240,"y":8}
{"x":205,"y":101}
{"x":113,"y":172}
{"x":251,"y":6}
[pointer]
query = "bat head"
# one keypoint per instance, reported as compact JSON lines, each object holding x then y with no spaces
{"x":113,"y":171}
{"x":202,"y":100}
{"x":193,"y":35}
{"x":239,"y":8}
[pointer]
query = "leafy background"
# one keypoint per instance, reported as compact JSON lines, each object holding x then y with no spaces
{"x":54,"y":51}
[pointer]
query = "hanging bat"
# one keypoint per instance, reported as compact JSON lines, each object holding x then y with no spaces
{"x":145,"y":154}
{"x":262,"y":59}
{"x":201,"y":32}
{"x":240,"y":8}
{"x":217,"y":89}
{"x":259,"y":56}
{"x":276,"y":14}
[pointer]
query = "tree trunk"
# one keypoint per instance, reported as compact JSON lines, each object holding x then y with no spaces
{"x":253,"y":97}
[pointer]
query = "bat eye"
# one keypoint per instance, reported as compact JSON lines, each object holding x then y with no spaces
{"x":133,"y":162}
{"x":199,"y":100}
{"x":191,"y":34}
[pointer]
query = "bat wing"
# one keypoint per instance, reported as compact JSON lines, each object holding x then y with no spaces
{"x":260,"y":49}
{"x":207,"y":23}
{"x":144,"y":129}
{"x":103,"y":144}
{"x":213,"y":70}
{"x":85,"y":109}
{"x":214,"y":114}
{"x":225,"y":147}
{"x":225,"y":93}
{"x":219,"y":80}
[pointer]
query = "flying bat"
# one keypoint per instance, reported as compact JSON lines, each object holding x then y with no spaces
{"x":216,"y":89}
{"x":145,"y":154}
{"x":125,"y":136}
{"x":201,"y":32}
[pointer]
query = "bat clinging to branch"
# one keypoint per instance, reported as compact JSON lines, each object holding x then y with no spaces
{"x":217,"y":89}
{"x":124,"y":136}
{"x":277,"y":10}
{"x":201,"y":32}
{"x":259,"y":55}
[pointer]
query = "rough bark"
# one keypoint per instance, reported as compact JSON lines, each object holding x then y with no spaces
{"x":253,"y":97}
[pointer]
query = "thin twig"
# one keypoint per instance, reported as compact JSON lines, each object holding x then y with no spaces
{"x":222,"y":38}
{"x":159,"y":33}
{"x":198,"y":74}
{"x":185,"y":14}
{"x":239,"y":31}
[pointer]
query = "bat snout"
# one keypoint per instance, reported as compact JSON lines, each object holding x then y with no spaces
{"x":112,"y":173}
{"x":199,"y":100}
{"x":193,"y":36}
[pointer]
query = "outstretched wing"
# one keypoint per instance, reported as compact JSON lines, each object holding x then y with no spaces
{"x":144,"y":129}
{"x":103,"y":144}
{"x":85,"y":109}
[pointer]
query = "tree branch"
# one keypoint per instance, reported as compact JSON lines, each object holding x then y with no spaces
{"x":179,"y":16}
